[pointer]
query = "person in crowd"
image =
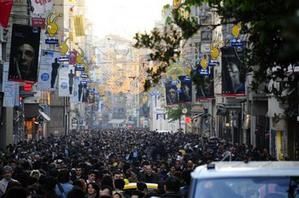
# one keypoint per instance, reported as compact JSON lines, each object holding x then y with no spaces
{"x":7,"y":172}
{"x":63,"y":186}
{"x":93,"y":190}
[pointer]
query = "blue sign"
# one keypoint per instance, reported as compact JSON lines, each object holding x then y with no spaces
{"x":45,"y":76}
{"x":79,"y":68}
{"x":213,"y":63}
{"x":63,"y":59}
{"x":204,"y":72}
{"x":236,"y":43}
{"x":63,"y":85}
{"x":52,"y":41}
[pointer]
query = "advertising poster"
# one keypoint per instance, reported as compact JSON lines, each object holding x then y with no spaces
{"x":48,"y":70}
{"x":66,"y":81}
{"x":233,"y":72}
{"x":75,"y":98}
{"x":40,"y":11}
{"x":23,"y":63}
{"x":205,"y":88}
{"x":172,"y":95}
{"x":10,"y":89}
{"x":185,"y":92}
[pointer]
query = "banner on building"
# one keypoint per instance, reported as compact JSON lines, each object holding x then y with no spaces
{"x":79,"y":25}
{"x":48,"y":70}
{"x":233,"y":71}
{"x":10,"y":89}
{"x":172,"y":95}
{"x":185,"y":91}
{"x":76,"y":96}
{"x":5,"y":9}
{"x":40,"y":10}
{"x":66,"y":81}
{"x":23,"y":63}
{"x":205,"y":88}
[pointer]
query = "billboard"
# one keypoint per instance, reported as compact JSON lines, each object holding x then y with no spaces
{"x":185,"y":91}
{"x":48,"y":70}
{"x":66,"y":81}
{"x":233,"y":71}
{"x":205,"y":88}
{"x":23,"y":62}
{"x":172,"y":95}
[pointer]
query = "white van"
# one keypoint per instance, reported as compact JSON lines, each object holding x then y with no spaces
{"x":266,"y":179}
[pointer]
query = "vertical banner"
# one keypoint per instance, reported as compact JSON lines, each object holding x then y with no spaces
{"x":75,"y":97}
{"x":48,"y":70}
{"x":205,"y":89}
{"x":66,"y":80}
{"x":172,"y":96}
{"x":233,"y":72}
{"x":79,"y":25}
{"x":24,"y":53}
{"x":5,"y":9}
{"x":10,"y":89}
{"x":185,"y":92}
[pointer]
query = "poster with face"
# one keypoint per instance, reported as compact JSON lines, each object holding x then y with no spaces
{"x":205,"y":86}
{"x":23,"y":63}
{"x":233,"y":71}
{"x":185,"y":91}
{"x":172,"y":96}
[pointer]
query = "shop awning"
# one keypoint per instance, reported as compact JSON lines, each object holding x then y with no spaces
{"x":44,"y":115}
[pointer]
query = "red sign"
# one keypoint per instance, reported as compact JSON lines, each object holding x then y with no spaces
{"x":5,"y":8}
{"x":187,"y":120}
{"x":39,"y":22}
{"x":27,"y":87}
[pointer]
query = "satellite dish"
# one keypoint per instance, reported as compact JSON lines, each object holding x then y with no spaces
{"x":45,"y":116}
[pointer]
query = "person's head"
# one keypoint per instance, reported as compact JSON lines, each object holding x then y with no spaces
{"x":117,"y":195}
{"x":25,"y":57}
{"x":63,"y":176}
{"x":172,"y":93}
{"x":172,"y":184}
{"x":148,"y":169}
{"x":92,"y":189}
{"x":7,"y":172}
{"x":106,"y":191}
{"x":81,"y":184}
{"x":78,"y":171}
{"x":91,"y":176}
{"x":234,"y":73}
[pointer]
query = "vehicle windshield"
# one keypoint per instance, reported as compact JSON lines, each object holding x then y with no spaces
{"x":249,"y":187}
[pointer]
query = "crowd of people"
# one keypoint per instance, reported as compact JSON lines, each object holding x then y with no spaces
{"x":101,"y":163}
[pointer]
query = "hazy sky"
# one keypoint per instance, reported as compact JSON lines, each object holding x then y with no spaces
{"x":124,"y":17}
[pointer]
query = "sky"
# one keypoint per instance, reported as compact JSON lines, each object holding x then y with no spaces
{"x":124,"y":17}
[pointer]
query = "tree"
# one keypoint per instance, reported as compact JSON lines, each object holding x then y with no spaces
{"x":272,"y":27}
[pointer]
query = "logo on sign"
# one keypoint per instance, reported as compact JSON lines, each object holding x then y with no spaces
{"x":63,"y":85}
{"x":45,"y":76}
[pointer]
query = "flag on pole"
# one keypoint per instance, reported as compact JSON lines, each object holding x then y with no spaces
{"x":5,"y":8}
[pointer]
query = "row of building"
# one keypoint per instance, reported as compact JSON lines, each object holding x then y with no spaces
{"x":224,"y":104}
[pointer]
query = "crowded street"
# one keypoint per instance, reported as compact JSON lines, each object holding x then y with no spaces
{"x":109,"y":159}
